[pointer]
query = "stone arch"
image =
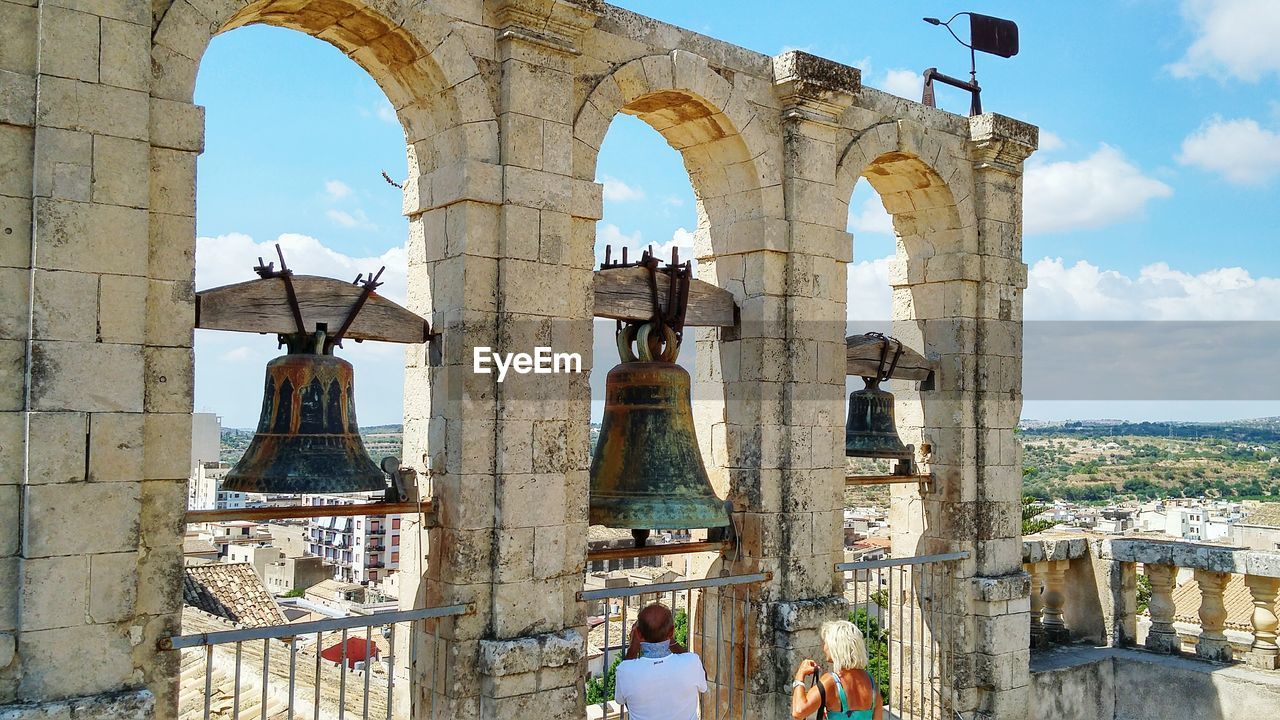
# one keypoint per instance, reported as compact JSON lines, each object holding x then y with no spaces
{"x":438,"y":93}
{"x":914,"y":175}
{"x":725,"y":148}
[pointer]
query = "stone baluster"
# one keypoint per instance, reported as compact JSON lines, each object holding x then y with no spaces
{"x":1035,"y":570}
{"x":1053,"y":597}
{"x":1264,"y":653}
{"x":1213,"y":643}
{"x":1161,"y":637}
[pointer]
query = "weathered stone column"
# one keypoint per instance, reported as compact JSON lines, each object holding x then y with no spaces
{"x":1213,"y":644}
{"x":1161,"y":637}
{"x":1264,"y":653}
{"x":1035,"y":571}
{"x":1055,"y":577}
{"x":999,"y":146}
{"x":531,"y":660}
{"x":89,"y":525}
{"x":810,"y":349}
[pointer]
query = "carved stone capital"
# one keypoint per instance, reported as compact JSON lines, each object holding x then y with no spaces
{"x":814,"y":88}
{"x":1001,"y":142}
{"x":556,"y":24}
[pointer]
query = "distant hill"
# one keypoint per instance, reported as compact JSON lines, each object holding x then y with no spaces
{"x":1258,"y":430}
{"x":1103,"y":461}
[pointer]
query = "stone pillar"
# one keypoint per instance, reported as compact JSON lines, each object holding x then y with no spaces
{"x":1213,"y":644}
{"x":531,"y":661}
{"x":1161,"y":637}
{"x":97,"y":439}
{"x":1035,"y":571}
{"x":998,"y":148}
{"x":1264,"y":653}
{"x":1055,"y":576}
{"x":808,"y":350}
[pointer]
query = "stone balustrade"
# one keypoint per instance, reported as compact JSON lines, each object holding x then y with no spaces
{"x":1085,"y":589}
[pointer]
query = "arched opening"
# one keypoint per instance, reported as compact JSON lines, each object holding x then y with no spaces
{"x":734,"y":190}
{"x":401,"y":92}
{"x":917,"y":287}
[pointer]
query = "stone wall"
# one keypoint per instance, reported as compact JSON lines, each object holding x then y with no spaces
{"x":1084,"y":683}
{"x":504,"y":104}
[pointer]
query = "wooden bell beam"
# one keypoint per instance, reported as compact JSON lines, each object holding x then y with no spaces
{"x":862,"y":358}
{"x":623,"y":294}
{"x":262,"y":306}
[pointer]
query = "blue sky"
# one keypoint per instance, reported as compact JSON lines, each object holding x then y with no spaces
{"x":1154,"y":195}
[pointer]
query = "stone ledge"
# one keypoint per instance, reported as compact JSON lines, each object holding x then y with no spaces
{"x":525,"y":654}
{"x":812,"y":73}
{"x":1004,"y":587}
{"x":1048,"y":549}
{"x":130,"y":705}
{"x":808,"y":614}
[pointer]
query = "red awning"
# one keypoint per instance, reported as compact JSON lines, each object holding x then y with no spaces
{"x":358,"y":650}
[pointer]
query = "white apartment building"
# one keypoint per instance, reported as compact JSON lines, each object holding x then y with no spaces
{"x":204,"y":491}
{"x":362,"y":548}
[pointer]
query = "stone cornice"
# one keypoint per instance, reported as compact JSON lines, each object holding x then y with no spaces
{"x":1001,"y":142}
{"x":556,"y":24}
{"x":814,"y":88}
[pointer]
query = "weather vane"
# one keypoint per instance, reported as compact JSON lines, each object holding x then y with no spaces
{"x":987,"y":34}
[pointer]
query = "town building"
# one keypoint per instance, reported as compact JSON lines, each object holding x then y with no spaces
{"x":360,"y":548}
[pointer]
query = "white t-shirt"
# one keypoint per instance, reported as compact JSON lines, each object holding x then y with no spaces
{"x":661,"y":689}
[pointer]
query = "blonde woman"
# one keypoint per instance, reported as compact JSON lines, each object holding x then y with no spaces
{"x":850,"y":692}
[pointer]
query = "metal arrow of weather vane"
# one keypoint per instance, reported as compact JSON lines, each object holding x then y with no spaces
{"x":987,"y":34}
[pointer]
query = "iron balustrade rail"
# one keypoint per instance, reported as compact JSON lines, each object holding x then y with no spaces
{"x":224,"y":648}
{"x":725,"y":596}
{"x":900,"y":605}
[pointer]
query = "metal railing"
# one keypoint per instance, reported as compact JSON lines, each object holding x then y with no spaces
{"x":256,"y":672}
{"x":900,"y":605}
{"x":725,"y":655}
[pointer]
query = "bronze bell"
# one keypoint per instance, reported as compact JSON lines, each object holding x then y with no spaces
{"x":870,"y":430}
{"x":307,"y":440}
{"x":647,"y":471}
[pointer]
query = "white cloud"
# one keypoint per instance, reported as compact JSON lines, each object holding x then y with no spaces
{"x":908,"y":84}
{"x":1240,"y":151}
{"x":869,"y":297}
{"x":617,"y":191}
{"x":681,"y":239}
{"x":872,"y":218}
{"x":1084,"y":291}
{"x":1050,"y":141}
{"x":228,"y":259}
{"x":356,"y":219}
{"x":609,"y":234}
{"x":336,"y":189}
{"x":673,"y":201}
{"x":1103,"y":188}
{"x":1235,"y":37}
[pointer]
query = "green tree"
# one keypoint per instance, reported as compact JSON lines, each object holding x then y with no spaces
{"x":600,"y":689}
{"x":1144,"y":593}
{"x":1030,"y":509}
{"x":877,"y":641}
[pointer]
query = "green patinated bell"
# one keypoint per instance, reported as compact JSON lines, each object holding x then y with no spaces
{"x":307,"y":440}
{"x":647,"y":471}
{"x":870,"y":430}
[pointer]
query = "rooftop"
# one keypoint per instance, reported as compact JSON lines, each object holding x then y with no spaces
{"x":231,"y":591}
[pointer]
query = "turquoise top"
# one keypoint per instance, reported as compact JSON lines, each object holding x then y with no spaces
{"x":847,"y":714}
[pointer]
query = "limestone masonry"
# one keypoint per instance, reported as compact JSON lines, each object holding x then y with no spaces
{"x":504,"y":104}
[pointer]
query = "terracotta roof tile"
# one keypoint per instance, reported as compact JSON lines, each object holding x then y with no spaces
{"x":1235,"y":598}
{"x":232,"y":591}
